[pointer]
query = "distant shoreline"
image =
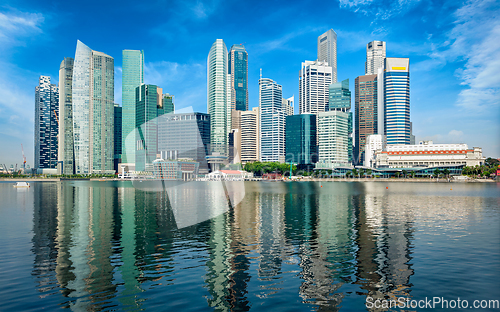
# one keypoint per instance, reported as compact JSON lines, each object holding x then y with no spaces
{"x":426,"y":180}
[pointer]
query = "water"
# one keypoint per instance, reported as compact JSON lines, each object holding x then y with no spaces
{"x":304,"y":246}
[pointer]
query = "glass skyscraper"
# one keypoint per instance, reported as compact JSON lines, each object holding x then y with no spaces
{"x":327,"y":51}
{"x":238,"y":69}
{"x":314,"y":79}
{"x":46,"y":124}
{"x":272,"y":121}
{"x":118,"y":136}
{"x":66,"y":149}
{"x":93,"y":111}
{"x":340,"y":100}
{"x":397,"y":100}
{"x":132,"y":77}
{"x":300,"y":137}
{"x":375,"y":55}
{"x":366,"y":112}
{"x":218,"y":106}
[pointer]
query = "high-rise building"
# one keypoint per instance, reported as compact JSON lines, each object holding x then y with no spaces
{"x":132,"y":77}
{"x":314,"y":79}
{"x":118,"y":136}
{"x":217,"y":97}
{"x":168,"y":103}
{"x":327,"y":51}
{"x":184,"y":136}
{"x":288,"y":106}
{"x":397,"y":100}
{"x":301,"y":147}
{"x":366,"y":111}
{"x":250,"y":137}
{"x":235,"y":137}
{"x":272,"y":121}
{"x":93,"y":110}
{"x":46,"y":123}
{"x":238,"y":69}
{"x":333,"y":139}
{"x":375,"y":55}
{"x":149,"y":106}
{"x":66,"y":150}
{"x":340,"y":100}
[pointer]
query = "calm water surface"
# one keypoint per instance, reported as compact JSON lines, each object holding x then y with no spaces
{"x":305,"y":246}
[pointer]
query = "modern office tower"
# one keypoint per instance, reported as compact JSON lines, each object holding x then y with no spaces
{"x":366,"y":112}
{"x":185,"y":136}
{"x":250,"y":137}
{"x":238,"y":69}
{"x":149,"y":106}
{"x":132,"y":77}
{"x":288,"y":106}
{"x":217,"y":103}
{"x":228,"y":107}
{"x":168,"y":103}
{"x":118,"y":136}
{"x":333,"y":139}
{"x":93,"y":109}
{"x":327,"y":51}
{"x":300,"y":138}
{"x":340,"y":100}
{"x":235,"y":137}
{"x":375,"y":55}
{"x":46,"y":123}
{"x":412,"y":137}
{"x":66,"y":151}
{"x":272,"y":121}
{"x":314,"y":79}
{"x":397,"y":100}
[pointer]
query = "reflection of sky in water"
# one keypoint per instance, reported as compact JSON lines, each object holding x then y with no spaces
{"x":90,"y":245}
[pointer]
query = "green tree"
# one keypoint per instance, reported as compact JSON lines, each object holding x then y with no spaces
{"x":446,"y":172}
{"x":362,"y":172}
{"x":405,"y":173}
{"x":354,"y":172}
{"x":369,"y":172}
{"x":397,"y":174}
{"x":437,"y":172}
{"x":348,"y":174}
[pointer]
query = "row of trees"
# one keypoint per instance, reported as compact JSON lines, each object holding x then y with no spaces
{"x":259,"y":168}
{"x":474,"y":171}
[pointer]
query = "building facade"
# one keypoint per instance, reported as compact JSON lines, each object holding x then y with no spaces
{"x":168,"y":103}
{"x":238,"y":69}
{"x":217,"y":97}
{"x":66,"y":150}
{"x":118,"y":137}
{"x":340,"y":101}
{"x":333,"y":139}
{"x":184,"y":136}
{"x":375,"y":55}
{"x":366,"y":113}
{"x":314,"y":79}
{"x":272,"y":121}
{"x":397,"y":100}
{"x":132,"y":77}
{"x":301,"y":147}
{"x":428,"y":154}
{"x":93,"y":110}
{"x":46,"y":124}
{"x":250,"y":135}
{"x":288,"y":106}
{"x":374,"y":143}
{"x":327,"y":51}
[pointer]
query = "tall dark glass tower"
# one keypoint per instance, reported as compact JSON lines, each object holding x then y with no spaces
{"x":46,"y":123}
{"x":300,"y":140}
{"x":238,"y":69}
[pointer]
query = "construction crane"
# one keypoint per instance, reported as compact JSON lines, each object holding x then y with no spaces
{"x":24,"y":160}
{"x":57,"y":119}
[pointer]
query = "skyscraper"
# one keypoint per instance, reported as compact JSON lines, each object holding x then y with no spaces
{"x":333,"y":139}
{"x":314,"y":79}
{"x":272,"y":121}
{"x":117,"y":136}
{"x":238,"y":69}
{"x":327,"y":51}
{"x":93,"y":110}
{"x":397,"y":100}
{"x":288,"y":106}
{"x":301,"y":147}
{"x":366,"y":111}
{"x":46,"y":124}
{"x":168,"y":103}
{"x":340,"y":101}
{"x":375,"y":55}
{"x":250,"y":135}
{"x":217,"y":97}
{"x":132,"y":77}
{"x":66,"y":150}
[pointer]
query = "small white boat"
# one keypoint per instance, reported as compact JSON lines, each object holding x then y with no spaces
{"x":22,"y":184}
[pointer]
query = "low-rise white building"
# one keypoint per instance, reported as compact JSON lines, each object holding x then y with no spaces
{"x":428,"y":154}
{"x":374,"y":143}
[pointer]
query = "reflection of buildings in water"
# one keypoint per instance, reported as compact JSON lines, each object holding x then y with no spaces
{"x":384,"y":235}
{"x":44,"y":236}
{"x":327,"y":260}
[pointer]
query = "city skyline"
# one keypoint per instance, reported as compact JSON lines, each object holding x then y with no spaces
{"x":453,"y":90}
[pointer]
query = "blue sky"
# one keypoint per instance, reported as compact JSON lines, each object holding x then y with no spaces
{"x":453,"y":46}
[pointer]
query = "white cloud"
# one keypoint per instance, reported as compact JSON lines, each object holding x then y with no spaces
{"x":379,"y":9}
{"x":15,"y":25}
